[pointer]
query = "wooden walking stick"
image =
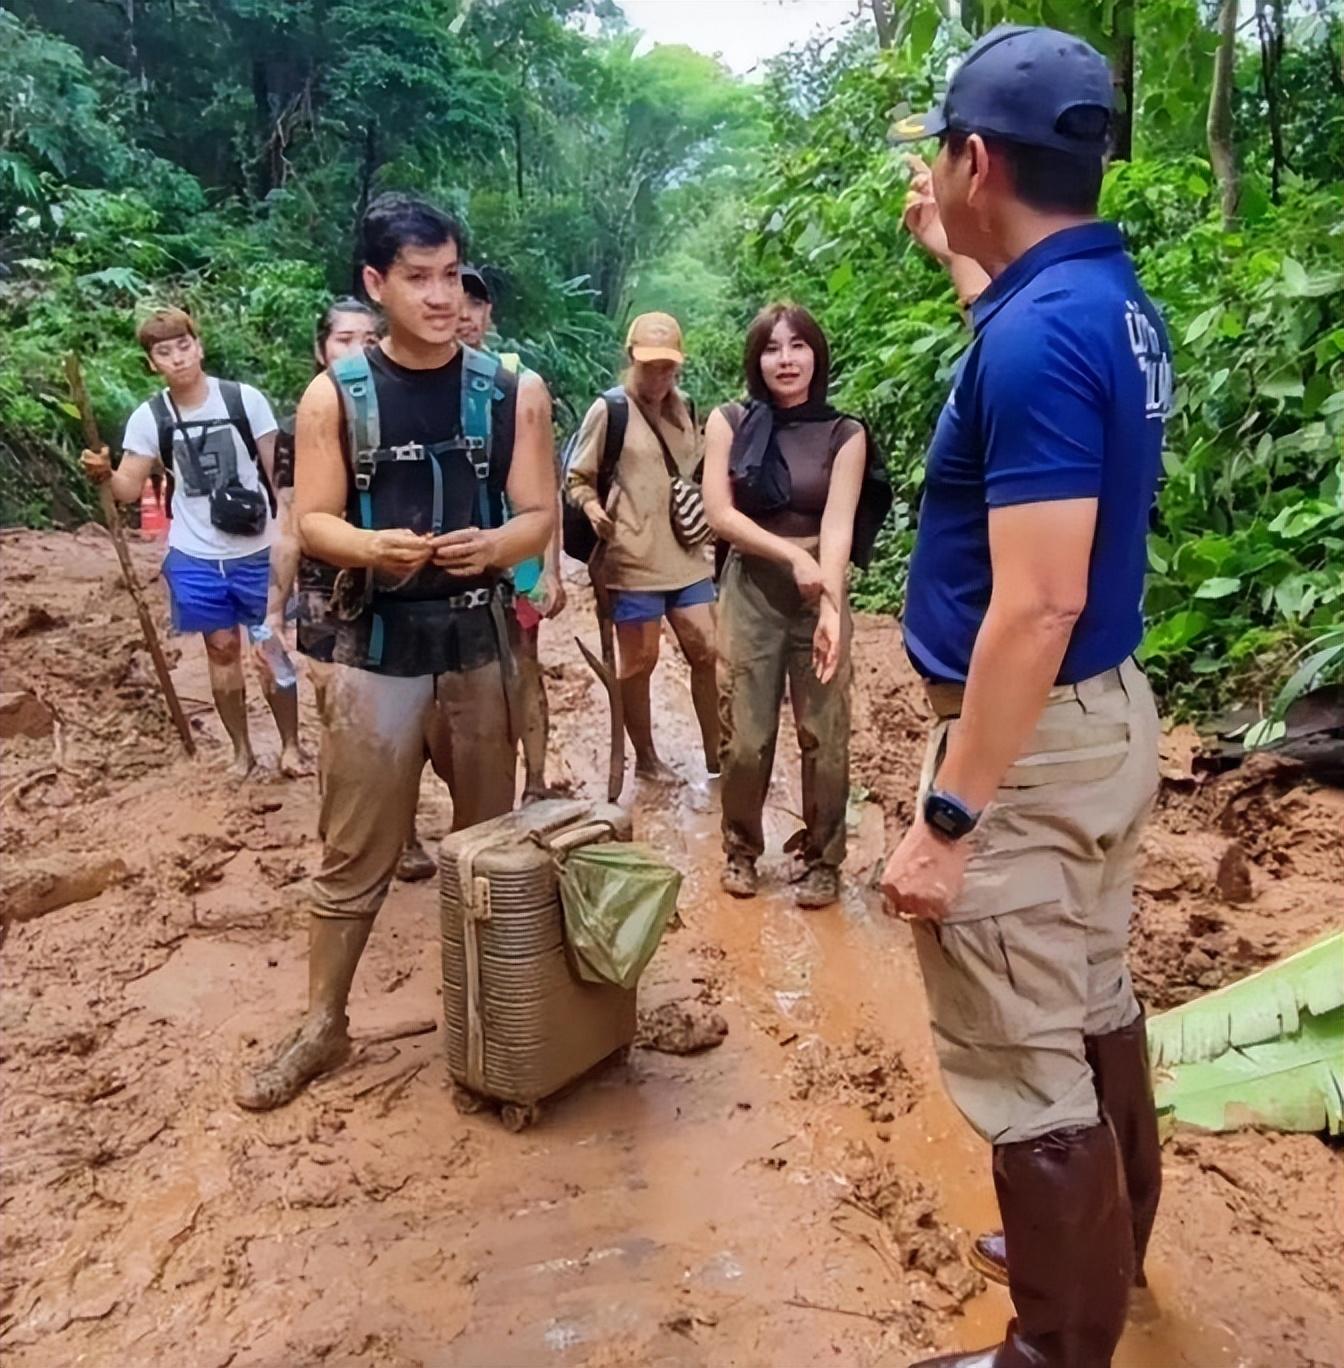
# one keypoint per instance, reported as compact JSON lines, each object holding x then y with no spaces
{"x":112,"y":516}
{"x":605,"y":668}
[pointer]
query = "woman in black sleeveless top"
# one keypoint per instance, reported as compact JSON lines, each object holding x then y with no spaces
{"x":782,"y":479}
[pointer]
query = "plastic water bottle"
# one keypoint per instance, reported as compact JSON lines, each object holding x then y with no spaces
{"x":272,"y":651}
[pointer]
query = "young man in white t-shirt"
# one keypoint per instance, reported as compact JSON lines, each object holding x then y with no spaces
{"x":218,"y":441}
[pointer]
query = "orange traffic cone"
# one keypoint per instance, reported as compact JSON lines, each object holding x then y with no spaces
{"x":153,"y":519}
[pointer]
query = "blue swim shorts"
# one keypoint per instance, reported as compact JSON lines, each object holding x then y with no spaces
{"x":211,"y":595}
{"x":632,"y":605}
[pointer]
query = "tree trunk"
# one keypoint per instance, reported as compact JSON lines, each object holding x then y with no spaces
{"x":261,"y":114}
{"x":1222,"y":152}
{"x":518,"y":155}
{"x":882,"y":19}
{"x":367,"y":168}
{"x":1123,"y":149}
{"x":1269,"y":23}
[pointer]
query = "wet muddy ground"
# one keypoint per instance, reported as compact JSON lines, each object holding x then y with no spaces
{"x":799,"y":1195}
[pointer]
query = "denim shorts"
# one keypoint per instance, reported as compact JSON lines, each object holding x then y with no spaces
{"x":213,"y":595}
{"x":634,"y":605}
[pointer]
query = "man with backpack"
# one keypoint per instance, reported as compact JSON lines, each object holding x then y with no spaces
{"x":216,"y":441}
{"x":422,"y":474}
{"x":540,"y":592}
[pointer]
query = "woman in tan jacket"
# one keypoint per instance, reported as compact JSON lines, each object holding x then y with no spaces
{"x":649,"y":573}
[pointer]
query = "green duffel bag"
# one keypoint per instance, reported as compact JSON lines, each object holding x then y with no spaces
{"x":618,"y":897}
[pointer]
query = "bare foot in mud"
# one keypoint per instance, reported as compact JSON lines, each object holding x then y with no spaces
{"x":242,"y":764}
{"x":296,"y":763}
{"x":314,"y":1049}
{"x":656,"y":771}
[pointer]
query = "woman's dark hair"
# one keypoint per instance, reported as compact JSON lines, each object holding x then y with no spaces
{"x":1045,"y":178}
{"x":327,"y":319}
{"x":394,"y":221}
{"x":803,"y":325}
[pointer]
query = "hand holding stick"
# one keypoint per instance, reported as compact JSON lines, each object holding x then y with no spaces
{"x":113,"y":519}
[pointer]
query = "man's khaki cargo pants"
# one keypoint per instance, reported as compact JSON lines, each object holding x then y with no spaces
{"x":1033,"y":956}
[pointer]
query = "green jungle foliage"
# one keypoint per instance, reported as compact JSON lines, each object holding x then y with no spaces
{"x":216,"y":153}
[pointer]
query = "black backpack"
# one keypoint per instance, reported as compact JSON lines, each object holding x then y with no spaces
{"x":231,"y":392}
{"x":576,"y":534}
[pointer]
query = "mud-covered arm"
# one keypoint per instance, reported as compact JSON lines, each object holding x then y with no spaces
{"x":321,"y":488}
{"x":531,"y":485}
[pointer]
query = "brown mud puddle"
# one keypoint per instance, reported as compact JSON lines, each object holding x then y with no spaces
{"x":798,"y":1195}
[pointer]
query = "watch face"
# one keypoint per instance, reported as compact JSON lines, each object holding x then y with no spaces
{"x":947,"y":816}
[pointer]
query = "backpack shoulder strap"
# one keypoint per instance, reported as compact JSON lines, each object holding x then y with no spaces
{"x":231,"y":392}
{"x":618,"y":419}
{"x":353,"y":379}
{"x":479,"y":370}
{"x":163,"y":421}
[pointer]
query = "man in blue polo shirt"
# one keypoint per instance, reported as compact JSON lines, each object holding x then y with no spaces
{"x":1023,"y":610}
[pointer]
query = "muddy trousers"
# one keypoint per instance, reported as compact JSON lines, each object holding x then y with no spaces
{"x":377,"y":731}
{"x":765,"y":641}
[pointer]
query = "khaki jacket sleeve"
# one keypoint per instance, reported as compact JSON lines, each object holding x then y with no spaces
{"x":581,"y":478}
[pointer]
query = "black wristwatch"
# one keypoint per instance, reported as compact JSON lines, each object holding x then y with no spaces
{"x":948,"y":815}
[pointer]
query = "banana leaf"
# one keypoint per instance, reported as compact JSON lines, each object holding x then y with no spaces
{"x":1266,"y":1051}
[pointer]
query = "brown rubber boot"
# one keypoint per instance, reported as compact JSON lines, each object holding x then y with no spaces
{"x":416,"y":862}
{"x":322,"y":1041}
{"x":1070,"y":1256}
{"x":1119,"y":1063}
{"x":819,"y":887}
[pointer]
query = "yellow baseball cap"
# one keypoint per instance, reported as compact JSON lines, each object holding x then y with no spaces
{"x":655,"y":337}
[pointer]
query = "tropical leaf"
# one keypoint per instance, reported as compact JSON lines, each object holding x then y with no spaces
{"x":1266,"y":1051}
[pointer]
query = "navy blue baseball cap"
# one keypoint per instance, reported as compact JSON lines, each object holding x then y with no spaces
{"x":1030,"y":85}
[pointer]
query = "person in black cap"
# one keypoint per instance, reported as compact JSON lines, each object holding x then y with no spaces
{"x":540,"y":591}
{"x":1022,"y":613}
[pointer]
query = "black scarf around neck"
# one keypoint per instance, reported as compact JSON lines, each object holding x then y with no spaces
{"x":760,"y":478}
{"x":756,"y":466}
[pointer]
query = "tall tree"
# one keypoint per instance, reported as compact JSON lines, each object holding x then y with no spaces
{"x":1269,"y":25}
{"x":1222,"y":150}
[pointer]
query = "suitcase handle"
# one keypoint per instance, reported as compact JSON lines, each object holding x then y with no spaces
{"x":565,"y":841}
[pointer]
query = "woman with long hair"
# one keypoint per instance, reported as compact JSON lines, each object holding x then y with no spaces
{"x":782,"y":481}
{"x":650,"y":573}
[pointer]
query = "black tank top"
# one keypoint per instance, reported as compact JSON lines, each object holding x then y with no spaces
{"x":425,"y":406}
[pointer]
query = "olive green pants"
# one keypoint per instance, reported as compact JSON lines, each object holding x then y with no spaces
{"x":765,"y":640}
{"x":1032,"y":958}
{"x":377,"y":731}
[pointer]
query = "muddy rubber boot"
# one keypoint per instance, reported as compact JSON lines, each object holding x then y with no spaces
{"x":416,"y":863}
{"x":1067,"y":1226}
{"x":1119,"y":1061}
{"x":819,"y":887}
{"x":1124,"y":1081}
{"x":322,"y":1041}
{"x":739,"y":876}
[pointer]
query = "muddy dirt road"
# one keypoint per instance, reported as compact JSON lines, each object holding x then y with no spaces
{"x":797,"y":1196}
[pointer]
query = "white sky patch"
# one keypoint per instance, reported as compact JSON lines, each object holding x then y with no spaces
{"x":741,"y":32}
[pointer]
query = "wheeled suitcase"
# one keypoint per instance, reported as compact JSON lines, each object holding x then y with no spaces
{"x":520,"y":1024}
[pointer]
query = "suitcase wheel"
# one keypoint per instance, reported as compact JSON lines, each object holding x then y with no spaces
{"x":467,"y":1102}
{"x":517,"y":1117}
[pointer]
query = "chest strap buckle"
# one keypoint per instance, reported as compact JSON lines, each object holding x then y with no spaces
{"x":408,"y":451}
